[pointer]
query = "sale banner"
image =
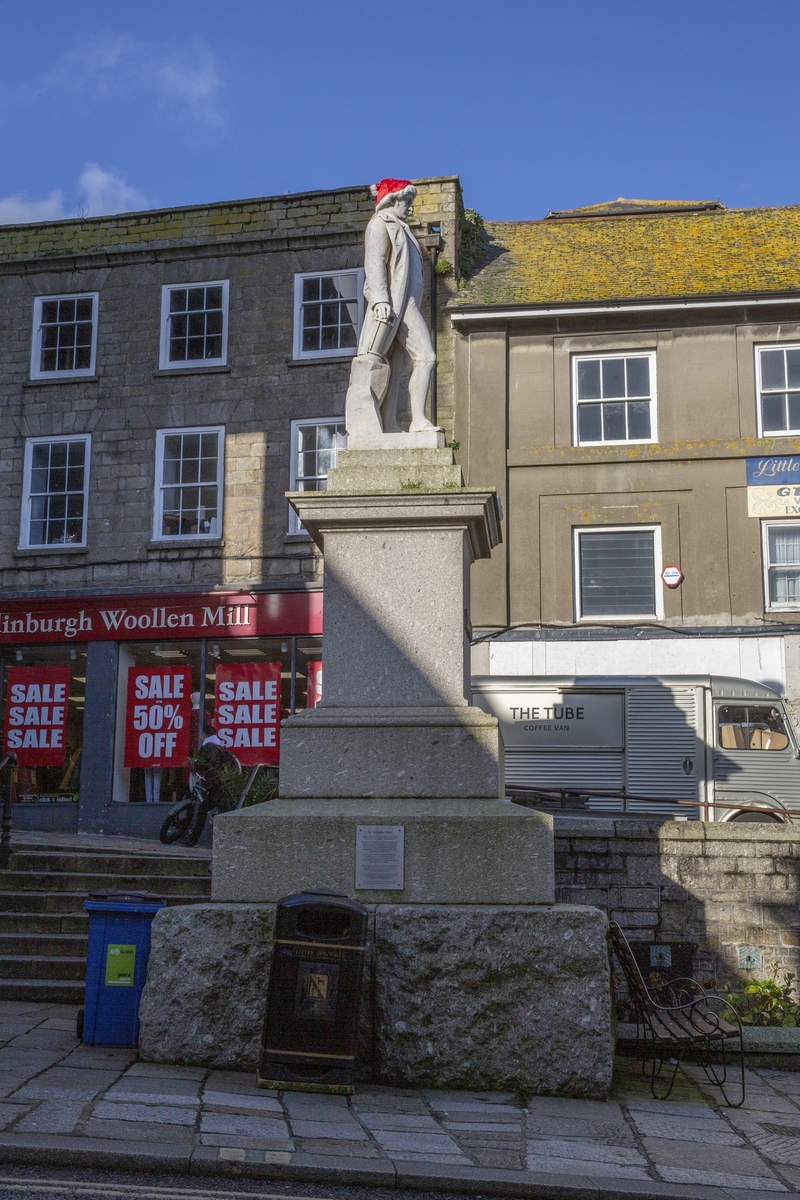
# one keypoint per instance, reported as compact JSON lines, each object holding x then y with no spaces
{"x":248,"y":711}
{"x":36,"y":715}
{"x":157,"y":716}
{"x":314,"y":683}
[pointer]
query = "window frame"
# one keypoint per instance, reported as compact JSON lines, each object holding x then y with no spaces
{"x":165,"y":363}
{"x":757,"y":349}
{"x":653,"y":400}
{"x":298,"y":353}
{"x":766,"y":564}
{"x":296,"y":528}
{"x":25,"y":522}
{"x":36,"y":371}
{"x":658,"y":566}
{"x":159,"y":488}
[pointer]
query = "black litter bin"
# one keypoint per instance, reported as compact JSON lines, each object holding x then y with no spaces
{"x":308,"y":1043}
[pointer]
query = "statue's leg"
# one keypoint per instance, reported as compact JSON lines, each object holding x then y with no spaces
{"x":398,"y":363}
{"x":415,"y":336}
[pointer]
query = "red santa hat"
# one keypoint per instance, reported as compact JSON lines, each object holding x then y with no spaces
{"x":389,"y":189}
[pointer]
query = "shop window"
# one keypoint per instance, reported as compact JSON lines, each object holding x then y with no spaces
{"x":194,"y":325}
{"x":54,"y":498}
{"x":781,"y":550}
{"x":164,"y":711}
{"x":614,"y":399}
{"x":751,"y":727}
{"x":314,"y":451}
{"x":41,"y":712}
{"x":189,"y":470}
{"x":778,"y":381}
{"x":64,"y":336}
{"x":328,"y":311}
{"x":616,"y":572}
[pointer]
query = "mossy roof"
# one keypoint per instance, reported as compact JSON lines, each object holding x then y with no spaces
{"x":707,"y":253}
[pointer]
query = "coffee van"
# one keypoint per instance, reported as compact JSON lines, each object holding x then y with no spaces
{"x":642,"y":744}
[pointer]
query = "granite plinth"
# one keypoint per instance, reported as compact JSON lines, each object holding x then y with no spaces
{"x":394,"y":469}
{"x":456,"y":851}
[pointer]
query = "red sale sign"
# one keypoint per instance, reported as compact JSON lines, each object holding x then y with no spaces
{"x":314,"y":683}
{"x":36,"y":715}
{"x":157,"y":719}
{"x":248,"y":710}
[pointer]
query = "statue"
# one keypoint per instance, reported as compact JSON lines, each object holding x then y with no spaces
{"x":394,"y":334}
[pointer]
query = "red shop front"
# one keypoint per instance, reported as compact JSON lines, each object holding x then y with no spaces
{"x":105,"y":700}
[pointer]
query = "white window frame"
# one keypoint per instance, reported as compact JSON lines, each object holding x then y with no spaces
{"x":295,"y":525}
{"x":36,"y":339}
{"x":25,"y":513}
{"x":601,"y":355}
{"x":158,"y":511}
{"x":195,"y":364}
{"x":765,"y":528}
{"x":297,"y":345}
{"x":773,"y":433}
{"x":658,"y":588}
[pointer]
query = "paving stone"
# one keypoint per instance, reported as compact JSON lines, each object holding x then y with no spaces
{"x":349,"y":1131}
{"x":10,"y":1112}
{"x":395,"y":1142}
{"x":722,"y":1179}
{"x":156,"y":1091}
{"x":558,"y":1106}
{"x":251,"y":1143}
{"x":712,"y":1130}
{"x":317,"y":1108}
{"x":585,"y":1167}
{"x":733,"y":1160}
{"x":53,"y":1116}
{"x":141,"y":1132}
{"x":614,"y":1133}
{"x":455,"y":1160}
{"x":12,"y":1029}
{"x":165,"y":1071}
{"x":347,"y":1149}
{"x":584,"y":1151}
{"x":262,"y":1127}
{"x":158,"y":1114}
{"x":236,"y":1081}
{"x":263,"y":1102}
{"x":100,"y":1057}
{"x":670,"y":1108}
{"x":69,"y":1083}
{"x":483,"y":1109}
{"x":31,"y":1062}
{"x":776,"y":1148}
{"x":382,"y":1120}
{"x":45,"y":1039}
{"x":387,"y":1103}
{"x":506,"y":1159}
{"x":483,"y":1126}
{"x":65,"y":1023}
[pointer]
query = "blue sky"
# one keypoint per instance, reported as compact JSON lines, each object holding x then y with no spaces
{"x":106,"y":107}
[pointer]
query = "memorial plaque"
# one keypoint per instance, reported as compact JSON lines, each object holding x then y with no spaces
{"x":379,"y":857}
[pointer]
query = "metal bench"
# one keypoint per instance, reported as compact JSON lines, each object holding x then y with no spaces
{"x":680,"y":1019}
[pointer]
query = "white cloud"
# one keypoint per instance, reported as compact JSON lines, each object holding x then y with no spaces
{"x":185,"y":88}
{"x":99,"y":193}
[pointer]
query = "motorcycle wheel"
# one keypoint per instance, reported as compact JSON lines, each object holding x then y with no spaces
{"x":178,"y":822}
{"x":197,"y":826}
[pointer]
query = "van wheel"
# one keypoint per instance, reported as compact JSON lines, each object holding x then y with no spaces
{"x":758,"y":818}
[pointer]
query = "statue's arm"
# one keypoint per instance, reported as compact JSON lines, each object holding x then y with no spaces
{"x":377,"y":248}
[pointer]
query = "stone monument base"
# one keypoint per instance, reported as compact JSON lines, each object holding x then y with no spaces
{"x":482,"y":996}
{"x":463,"y":851}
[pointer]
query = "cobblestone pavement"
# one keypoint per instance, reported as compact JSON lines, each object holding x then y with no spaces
{"x":62,"y":1102}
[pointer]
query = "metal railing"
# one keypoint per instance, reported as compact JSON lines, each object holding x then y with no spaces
{"x":9,"y":763}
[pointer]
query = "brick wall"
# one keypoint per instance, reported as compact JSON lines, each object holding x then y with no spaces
{"x":259,"y":245}
{"x":722,"y":886}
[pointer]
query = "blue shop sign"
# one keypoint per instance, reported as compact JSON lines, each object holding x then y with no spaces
{"x":763,"y":472}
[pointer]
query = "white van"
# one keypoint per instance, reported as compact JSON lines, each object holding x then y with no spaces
{"x":641,"y":744}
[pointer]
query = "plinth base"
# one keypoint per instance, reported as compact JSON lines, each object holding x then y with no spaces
{"x":484,"y":997}
{"x":456,"y":851}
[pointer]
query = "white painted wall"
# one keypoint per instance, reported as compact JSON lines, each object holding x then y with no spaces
{"x":760,"y":658}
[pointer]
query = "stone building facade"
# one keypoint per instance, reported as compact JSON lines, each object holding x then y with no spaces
{"x":166,"y":377}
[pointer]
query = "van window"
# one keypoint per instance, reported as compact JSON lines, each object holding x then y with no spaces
{"x":751,"y":727}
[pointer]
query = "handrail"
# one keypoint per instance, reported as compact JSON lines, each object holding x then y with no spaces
{"x":9,"y":762}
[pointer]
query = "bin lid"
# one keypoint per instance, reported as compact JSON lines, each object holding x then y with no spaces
{"x":118,"y":895}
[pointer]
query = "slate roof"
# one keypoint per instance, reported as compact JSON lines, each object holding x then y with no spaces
{"x":707,"y":252}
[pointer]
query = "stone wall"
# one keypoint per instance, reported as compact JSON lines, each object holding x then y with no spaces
{"x":722,"y":886}
{"x":259,"y":246}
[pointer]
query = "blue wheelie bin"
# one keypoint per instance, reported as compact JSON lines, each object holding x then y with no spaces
{"x":119,"y":946}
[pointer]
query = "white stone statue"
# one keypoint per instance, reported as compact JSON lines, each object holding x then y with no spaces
{"x":395,"y":335}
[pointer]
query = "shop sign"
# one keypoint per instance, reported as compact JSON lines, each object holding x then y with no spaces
{"x":36,"y":715}
{"x":148,"y":618}
{"x":247,"y":711}
{"x":314,"y":684}
{"x":157,"y":716}
{"x":557,"y":720}
{"x":773,"y":486}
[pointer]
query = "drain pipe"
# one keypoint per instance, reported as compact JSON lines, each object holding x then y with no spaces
{"x":433,"y":242}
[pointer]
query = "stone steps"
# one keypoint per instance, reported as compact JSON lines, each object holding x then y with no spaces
{"x":43,"y":925}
